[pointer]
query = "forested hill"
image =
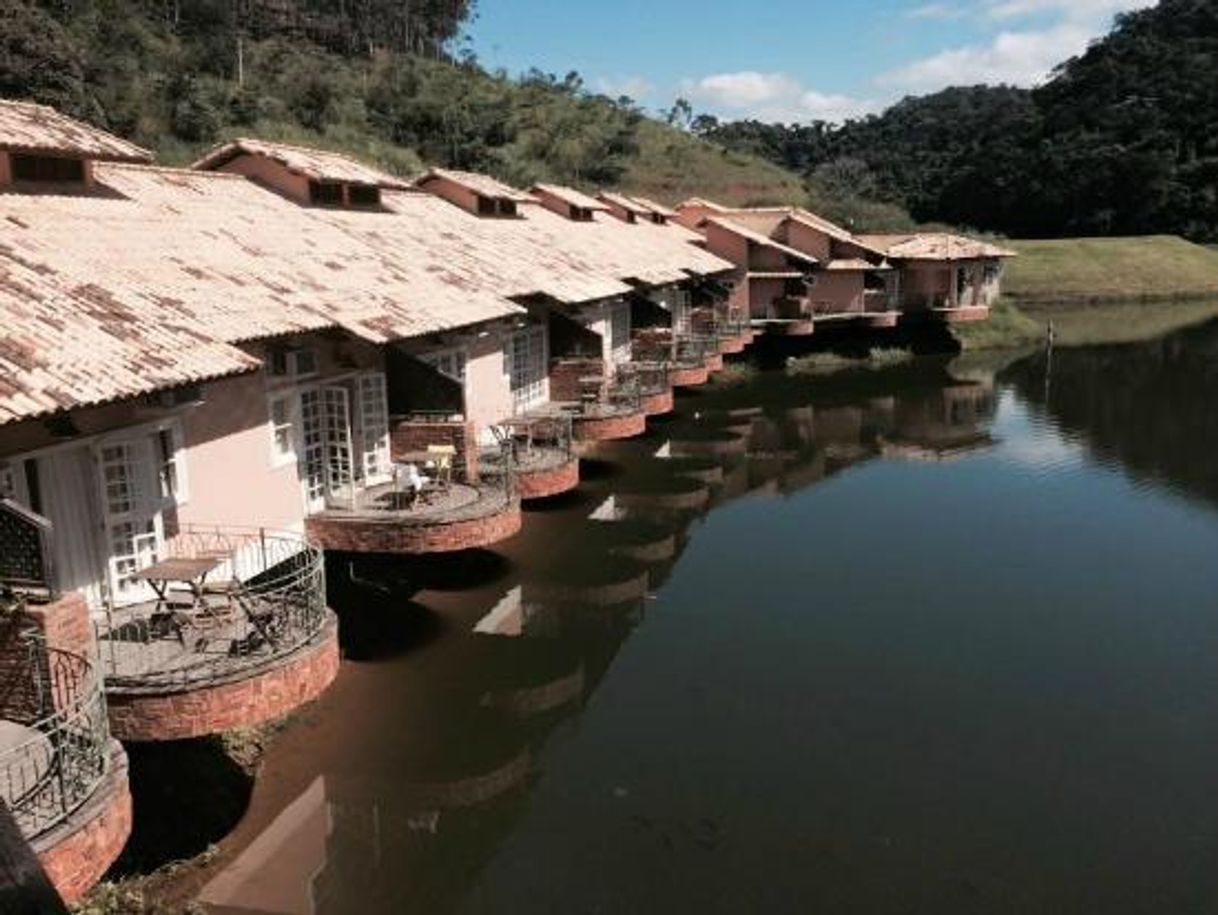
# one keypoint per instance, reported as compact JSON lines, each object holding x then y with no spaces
{"x":381,"y":79}
{"x":1122,"y":140}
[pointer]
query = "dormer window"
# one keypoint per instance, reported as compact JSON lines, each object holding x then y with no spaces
{"x":492,"y":206}
{"x":581,"y":214}
{"x":362,"y":195}
{"x":46,"y":168}
{"x":659,"y":219}
{"x":326,"y":193}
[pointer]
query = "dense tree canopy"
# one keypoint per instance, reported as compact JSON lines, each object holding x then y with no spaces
{"x":1122,"y":140}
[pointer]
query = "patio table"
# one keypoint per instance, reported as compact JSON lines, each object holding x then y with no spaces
{"x":191,"y":572}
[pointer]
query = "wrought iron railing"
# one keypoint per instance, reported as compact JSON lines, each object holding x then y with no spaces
{"x":650,"y":378}
{"x":693,"y":350}
{"x":51,"y":702}
{"x":264,"y":599}
{"x":25,"y":551}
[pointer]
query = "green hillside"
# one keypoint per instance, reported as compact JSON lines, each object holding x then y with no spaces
{"x":346,"y":76}
{"x":1093,"y":270}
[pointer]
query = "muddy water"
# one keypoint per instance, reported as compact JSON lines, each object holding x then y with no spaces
{"x":936,"y":638}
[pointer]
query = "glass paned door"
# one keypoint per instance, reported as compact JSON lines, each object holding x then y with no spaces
{"x":313,"y":444}
{"x":527,"y":368}
{"x":374,"y":428}
{"x":134,"y":533}
{"x":619,"y":334}
{"x":336,"y":418}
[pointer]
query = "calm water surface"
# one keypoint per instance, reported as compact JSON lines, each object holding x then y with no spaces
{"x":944,"y":639}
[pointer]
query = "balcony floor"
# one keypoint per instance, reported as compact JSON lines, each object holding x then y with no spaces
{"x":217,"y":643}
{"x":457,"y":502}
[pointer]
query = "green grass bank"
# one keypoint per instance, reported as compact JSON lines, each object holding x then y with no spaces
{"x":1083,"y":271}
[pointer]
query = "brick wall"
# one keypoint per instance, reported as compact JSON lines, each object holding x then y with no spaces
{"x":262,"y":696}
{"x":565,"y":375}
{"x":409,"y":435}
{"x":64,"y":624}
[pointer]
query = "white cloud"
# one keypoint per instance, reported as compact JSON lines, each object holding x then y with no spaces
{"x":771,"y":97}
{"x":636,"y":87}
{"x":1021,"y":57}
{"x":942,"y":11}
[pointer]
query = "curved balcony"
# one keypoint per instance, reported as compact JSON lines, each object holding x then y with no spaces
{"x":250,"y":641}
{"x":447,"y":516}
{"x":61,"y":775}
{"x":541,"y":454}
{"x":650,"y":383}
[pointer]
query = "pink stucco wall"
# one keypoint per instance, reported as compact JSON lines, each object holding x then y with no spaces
{"x":228,"y":461}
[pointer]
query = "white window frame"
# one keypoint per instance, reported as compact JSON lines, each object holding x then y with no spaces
{"x":451,"y":363}
{"x":526,"y":390}
{"x":279,"y":457}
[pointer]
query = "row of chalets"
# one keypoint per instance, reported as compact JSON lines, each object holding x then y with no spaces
{"x":213,"y":375}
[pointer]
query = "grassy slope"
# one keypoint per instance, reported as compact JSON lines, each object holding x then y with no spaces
{"x":672,"y":166}
{"x":1080,"y":270}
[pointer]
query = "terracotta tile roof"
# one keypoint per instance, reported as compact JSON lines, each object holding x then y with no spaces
{"x":318,"y":164}
{"x":148,"y":279}
{"x":570,"y":196}
{"x":26,"y":127}
{"x":728,"y":224}
{"x":483,"y":185}
{"x":703,"y":203}
{"x":852,"y":264}
{"x":621,"y":201}
{"x":936,"y":246}
{"x":66,"y":343}
{"x":653,"y":206}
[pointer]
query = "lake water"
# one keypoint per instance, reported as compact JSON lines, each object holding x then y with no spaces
{"x":943,"y":640}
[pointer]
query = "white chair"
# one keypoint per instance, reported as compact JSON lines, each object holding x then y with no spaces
{"x":410,"y":478}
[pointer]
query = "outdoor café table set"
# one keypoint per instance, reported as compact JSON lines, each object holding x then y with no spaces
{"x":185,"y":600}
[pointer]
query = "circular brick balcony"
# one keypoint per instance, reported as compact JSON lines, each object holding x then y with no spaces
{"x":689,"y":376}
{"x":61,"y":775}
{"x":736,"y":343}
{"x":608,"y":422}
{"x":543,"y":473}
{"x":462,"y":518}
{"x":254,"y":646}
{"x":657,"y":404}
{"x":714,"y":362}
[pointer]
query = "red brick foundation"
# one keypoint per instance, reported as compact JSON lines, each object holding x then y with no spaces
{"x":737,"y":344}
{"x":77,"y":852}
{"x":689,"y":377}
{"x":609,"y":428}
{"x":259,"y":696}
{"x":657,"y":404}
{"x":791,"y":328}
{"x":373,"y":535}
{"x":714,"y":362}
{"x":540,"y":484}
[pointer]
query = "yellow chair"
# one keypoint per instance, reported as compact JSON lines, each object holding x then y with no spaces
{"x":442,"y":457}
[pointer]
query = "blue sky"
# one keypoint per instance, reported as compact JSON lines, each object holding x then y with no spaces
{"x":789,"y":60}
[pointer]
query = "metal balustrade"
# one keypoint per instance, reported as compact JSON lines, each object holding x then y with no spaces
{"x":54,"y":733}
{"x":265,"y":599}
